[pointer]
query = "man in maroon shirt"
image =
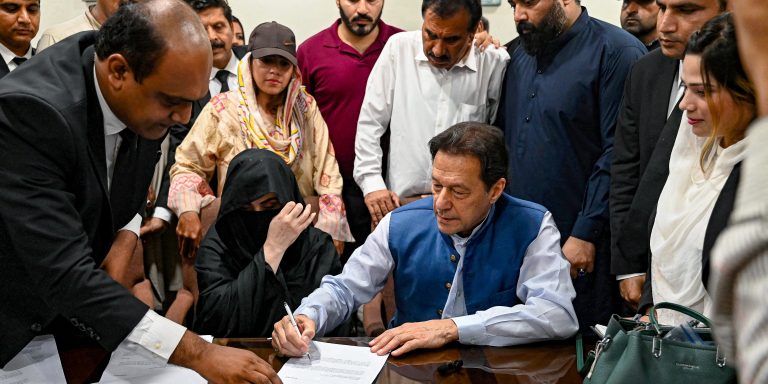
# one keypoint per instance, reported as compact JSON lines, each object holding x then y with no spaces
{"x":334,"y":65}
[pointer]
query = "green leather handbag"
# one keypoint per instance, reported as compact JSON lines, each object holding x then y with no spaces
{"x":636,"y":352}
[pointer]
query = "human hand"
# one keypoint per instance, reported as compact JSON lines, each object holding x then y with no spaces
{"x":410,"y":336}
{"x":287,"y":342}
{"x":220,"y":364}
{"x":284,"y":229}
{"x":484,"y":39}
{"x":581,"y":255}
{"x":380,"y":203}
{"x":632,"y":289}
{"x":190,"y":232}
{"x":152,"y":226}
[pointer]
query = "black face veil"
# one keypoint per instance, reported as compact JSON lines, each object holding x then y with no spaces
{"x":252,"y":174}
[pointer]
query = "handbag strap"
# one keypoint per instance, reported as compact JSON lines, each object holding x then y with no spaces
{"x":678,"y":308}
{"x":579,"y":352}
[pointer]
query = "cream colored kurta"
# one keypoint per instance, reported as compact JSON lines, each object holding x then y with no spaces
{"x":58,"y":32}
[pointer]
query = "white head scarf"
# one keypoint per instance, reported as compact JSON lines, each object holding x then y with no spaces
{"x":682,"y":216}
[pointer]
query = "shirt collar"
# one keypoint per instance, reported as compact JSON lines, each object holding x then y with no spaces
{"x":469,"y":61}
{"x":112,"y":125}
{"x":332,"y":39}
{"x":92,"y":20}
{"x":8,"y":55}
{"x":463,"y":240}
{"x":231,"y":67}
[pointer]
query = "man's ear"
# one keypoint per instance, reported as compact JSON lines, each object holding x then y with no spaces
{"x":497,"y":189}
{"x":118,"y":71}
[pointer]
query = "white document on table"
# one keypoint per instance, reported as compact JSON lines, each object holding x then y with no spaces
{"x":333,"y":363}
{"x":128,"y":367}
{"x":38,"y":362}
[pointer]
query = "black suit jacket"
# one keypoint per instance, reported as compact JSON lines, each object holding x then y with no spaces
{"x":178,"y":132}
{"x":641,"y":151}
{"x":3,"y":69}
{"x":57,"y":222}
{"x":721,"y":213}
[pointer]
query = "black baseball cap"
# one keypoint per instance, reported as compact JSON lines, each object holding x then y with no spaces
{"x":271,"y":38}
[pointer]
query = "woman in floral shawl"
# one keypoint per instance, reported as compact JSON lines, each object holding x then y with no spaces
{"x":269,"y":110}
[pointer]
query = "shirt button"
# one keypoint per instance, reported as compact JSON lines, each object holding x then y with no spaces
{"x":527,"y":119}
{"x":439,"y":312}
{"x":533,"y":95}
{"x":448,"y":285}
{"x":539,"y":71}
{"x":157,"y":345}
{"x":453,"y":258}
{"x":36,"y":327}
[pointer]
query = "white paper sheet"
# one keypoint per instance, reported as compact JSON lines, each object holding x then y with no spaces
{"x":333,"y":363}
{"x":38,"y":362}
{"x":128,"y":367}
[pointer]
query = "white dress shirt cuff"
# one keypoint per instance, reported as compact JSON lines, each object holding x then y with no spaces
{"x":163,"y":214}
{"x":156,"y":335}
{"x":471,"y":329}
{"x":628,"y":276}
{"x":372,"y":183}
{"x":134,"y":225}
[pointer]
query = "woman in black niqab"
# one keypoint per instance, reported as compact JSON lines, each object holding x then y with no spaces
{"x":240,"y":294}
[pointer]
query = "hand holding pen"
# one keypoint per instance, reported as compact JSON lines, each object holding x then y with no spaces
{"x":293,"y":323}
{"x":293,"y":340}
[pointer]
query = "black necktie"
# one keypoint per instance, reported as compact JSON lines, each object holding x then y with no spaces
{"x":222,"y":76}
{"x":19,"y":60}
{"x":125,"y":161}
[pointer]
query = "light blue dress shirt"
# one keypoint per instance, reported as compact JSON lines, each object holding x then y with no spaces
{"x":544,"y":287}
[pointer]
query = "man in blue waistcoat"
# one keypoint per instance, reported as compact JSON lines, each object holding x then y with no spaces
{"x":470,"y":264}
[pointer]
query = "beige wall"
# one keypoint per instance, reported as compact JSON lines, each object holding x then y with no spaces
{"x":306,"y":17}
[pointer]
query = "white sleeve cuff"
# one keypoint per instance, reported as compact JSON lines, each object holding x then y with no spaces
{"x":471,"y":329}
{"x":134,"y":225}
{"x":629,"y":275}
{"x":163,"y":214}
{"x":156,"y":335}
{"x":372,"y":183}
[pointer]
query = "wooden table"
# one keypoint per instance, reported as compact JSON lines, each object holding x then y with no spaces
{"x":538,"y":363}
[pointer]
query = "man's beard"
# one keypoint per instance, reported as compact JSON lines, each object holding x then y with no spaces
{"x":359,"y":31}
{"x":536,"y":38}
{"x":639,"y":29}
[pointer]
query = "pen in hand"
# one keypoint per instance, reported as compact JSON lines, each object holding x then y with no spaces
{"x":295,"y":325}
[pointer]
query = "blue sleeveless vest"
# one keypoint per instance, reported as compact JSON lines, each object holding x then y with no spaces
{"x":425,"y":259}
